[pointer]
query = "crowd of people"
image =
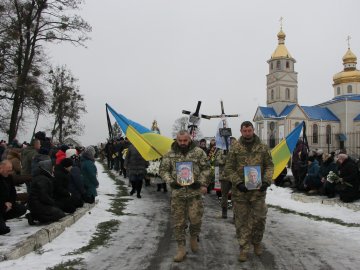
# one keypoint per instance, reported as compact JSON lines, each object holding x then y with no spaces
{"x":58,"y":180}
{"x":329,"y":174}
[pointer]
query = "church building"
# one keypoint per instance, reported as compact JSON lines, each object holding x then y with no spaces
{"x":330,"y":125}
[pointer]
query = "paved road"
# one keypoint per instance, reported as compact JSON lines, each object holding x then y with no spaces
{"x":145,"y":241}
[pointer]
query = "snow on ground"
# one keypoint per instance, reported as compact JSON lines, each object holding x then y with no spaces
{"x":74,"y":237}
{"x":79,"y":234}
{"x":282,"y":197}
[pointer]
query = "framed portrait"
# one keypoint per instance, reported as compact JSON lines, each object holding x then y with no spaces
{"x":185,"y":173}
{"x":252,"y":177}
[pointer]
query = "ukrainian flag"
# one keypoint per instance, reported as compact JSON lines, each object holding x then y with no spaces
{"x":149,"y":144}
{"x":282,"y":152}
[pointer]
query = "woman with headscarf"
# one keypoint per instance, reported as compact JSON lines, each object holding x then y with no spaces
{"x":89,"y":172}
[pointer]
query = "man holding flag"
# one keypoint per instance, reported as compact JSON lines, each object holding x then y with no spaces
{"x":249,"y":204}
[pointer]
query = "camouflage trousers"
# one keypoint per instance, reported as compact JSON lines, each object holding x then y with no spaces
{"x":184,"y":208}
{"x":225,"y":188}
{"x":250,"y":217}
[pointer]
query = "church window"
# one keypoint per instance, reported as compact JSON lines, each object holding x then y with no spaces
{"x":349,"y":88}
{"x":287,"y":93}
{"x":272,"y":94}
{"x":328,"y":134}
{"x":338,"y":90}
{"x":315,"y":131}
{"x":271,"y":66}
{"x":287,"y":64}
{"x":278,"y":64}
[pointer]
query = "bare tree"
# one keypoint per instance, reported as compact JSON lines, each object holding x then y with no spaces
{"x":24,"y":26}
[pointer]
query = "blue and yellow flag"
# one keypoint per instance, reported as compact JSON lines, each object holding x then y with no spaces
{"x":282,"y":152}
{"x":149,"y":144}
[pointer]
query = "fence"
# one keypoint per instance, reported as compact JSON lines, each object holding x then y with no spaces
{"x":349,"y":141}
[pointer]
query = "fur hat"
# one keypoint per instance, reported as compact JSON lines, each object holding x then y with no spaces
{"x":66,"y":162}
{"x":70,"y":152}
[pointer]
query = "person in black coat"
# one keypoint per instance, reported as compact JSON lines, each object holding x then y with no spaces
{"x":9,"y":208}
{"x":62,"y":195}
{"x":41,"y":199}
{"x":350,"y":179}
{"x":136,"y":166}
{"x":76,"y":183}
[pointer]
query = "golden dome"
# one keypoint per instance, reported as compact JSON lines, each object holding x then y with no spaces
{"x":347,"y":76}
{"x":281,"y":35}
{"x":349,"y":57}
{"x":350,"y":73}
{"x":281,"y":51}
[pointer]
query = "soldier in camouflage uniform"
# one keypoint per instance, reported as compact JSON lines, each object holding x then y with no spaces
{"x":186,"y":200}
{"x":249,"y":205}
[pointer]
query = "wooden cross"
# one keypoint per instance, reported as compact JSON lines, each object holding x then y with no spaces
{"x":225,"y":131}
{"x":348,"y":41}
{"x":194,"y":119}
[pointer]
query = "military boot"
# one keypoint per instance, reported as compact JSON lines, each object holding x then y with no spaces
{"x":224,"y":212}
{"x":243,"y":256}
{"x":194,"y":244}
{"x":258,"y":250}
{"x":180,"y":254}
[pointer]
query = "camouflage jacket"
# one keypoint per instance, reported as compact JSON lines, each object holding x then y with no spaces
{"x":220,"y":159}
{"x":195,"y":155}
{"x":240,"y":156}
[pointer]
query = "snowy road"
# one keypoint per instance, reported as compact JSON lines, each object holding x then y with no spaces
{"x":144,"y":241}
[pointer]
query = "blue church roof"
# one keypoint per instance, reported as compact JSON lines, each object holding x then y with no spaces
{"x":347,"y":97}
{"x":313,"y":112}
{"x":287,"y":110}
{"x":319,"y":113}
{"x":357,"y":118}
{"x":268,"y":112}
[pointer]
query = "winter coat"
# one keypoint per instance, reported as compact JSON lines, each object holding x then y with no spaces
{"x":76,"y":184}
{"x":349,"y":172}
{"x":243,"y":154}
{"x":7,"y":192}
{"x":27,"y":156}
{"x":89,"y":172}
{"x":61,"y":183}
{"x":327,"y":166}
{"x":14,"y":157}
{"x":201,"y":169}
{"x":134,"y":162}
{"x":41,"y":194}
{"x":35,"y":163}
{"x":313,"y":178}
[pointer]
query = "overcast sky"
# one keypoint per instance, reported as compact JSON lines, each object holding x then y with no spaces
{"x":150,"y":59}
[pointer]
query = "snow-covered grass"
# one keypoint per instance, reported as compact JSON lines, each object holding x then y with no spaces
{"x":281,"y":197}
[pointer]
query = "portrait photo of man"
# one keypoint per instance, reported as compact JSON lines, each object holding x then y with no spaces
{"x":184,"y":173}
{"x":252,"y":177}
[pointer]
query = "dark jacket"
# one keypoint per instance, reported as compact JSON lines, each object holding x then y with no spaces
{"x":349,"y":172}
{"x":327,"y":166}
{"x":7,"y":192}
{"x":27,"y":156}
{"x":61,"y":182}
{"x":134,"y":162}
{"x":76,"y":184}
{"x":42,"y":191}
{"x":89,"y":171}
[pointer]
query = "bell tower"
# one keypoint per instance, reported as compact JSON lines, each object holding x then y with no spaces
{"x":281,"y":87}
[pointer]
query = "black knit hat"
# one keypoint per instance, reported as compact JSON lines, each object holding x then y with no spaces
{"x":66,"y":162}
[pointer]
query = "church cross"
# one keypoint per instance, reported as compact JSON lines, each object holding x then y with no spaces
{"x":194,"y":119}
{"x":281,"y":22}
{"x":348,"y":41}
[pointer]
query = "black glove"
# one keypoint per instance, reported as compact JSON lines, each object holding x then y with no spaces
{"x":175,"y":185}
{"x":242,"y":188}
{"x":264,"y":186}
